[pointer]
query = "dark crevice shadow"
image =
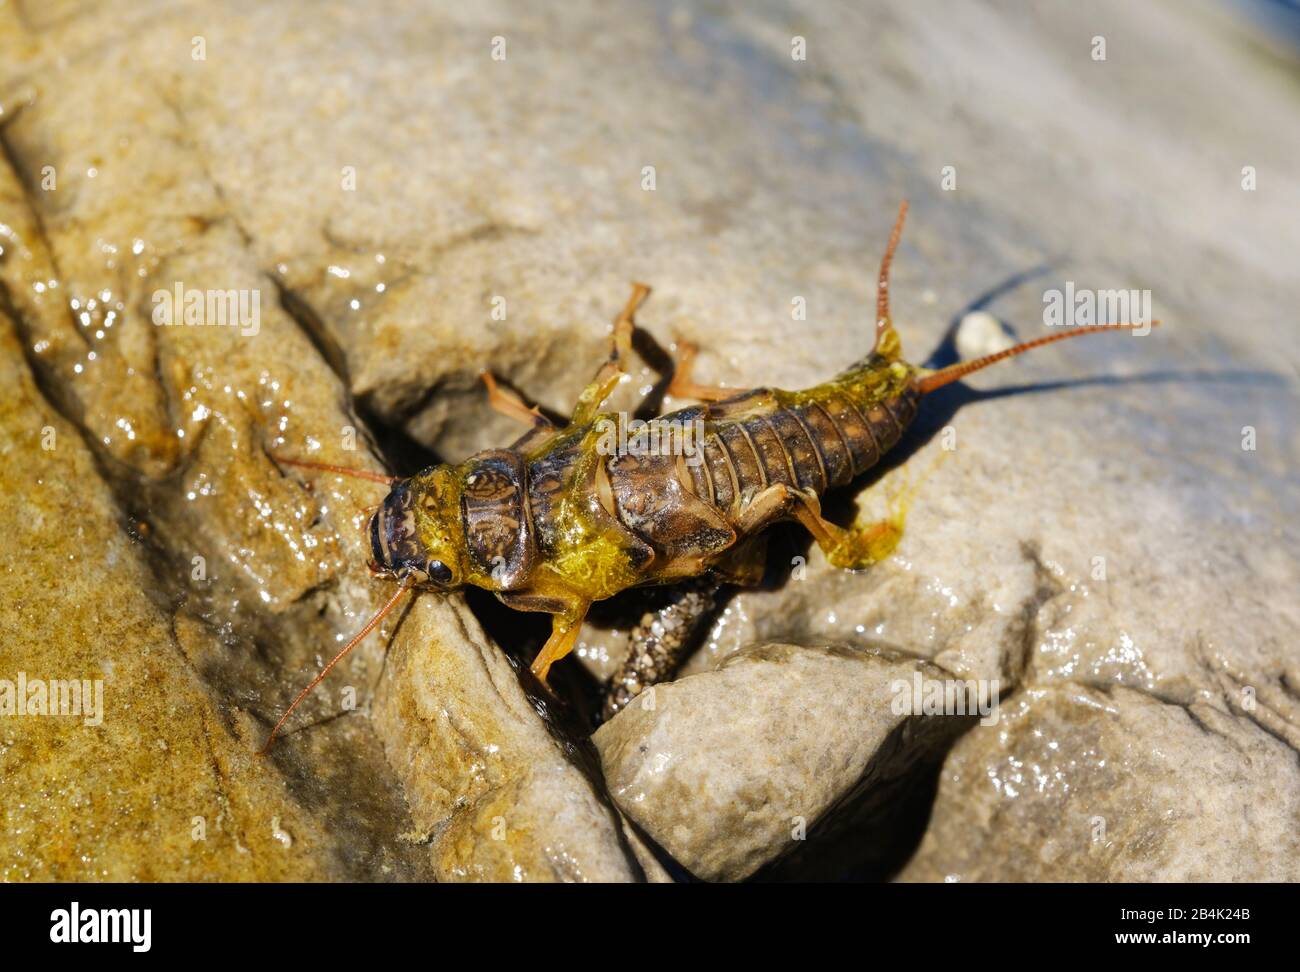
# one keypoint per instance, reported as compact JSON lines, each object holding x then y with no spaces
{"x":403,"y":454}
{"x":872,"y":833}
{"x":656,"y":356}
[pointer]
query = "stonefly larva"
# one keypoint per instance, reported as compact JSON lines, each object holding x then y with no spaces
{"x":557,"y":520}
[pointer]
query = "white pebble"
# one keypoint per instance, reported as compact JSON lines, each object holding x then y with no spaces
{"x":980,"y":333}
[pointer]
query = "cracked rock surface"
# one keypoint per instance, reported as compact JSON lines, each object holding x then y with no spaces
{"x":1106,"y":529}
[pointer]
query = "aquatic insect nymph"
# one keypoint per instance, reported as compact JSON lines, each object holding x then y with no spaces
{"x":555,"y":522}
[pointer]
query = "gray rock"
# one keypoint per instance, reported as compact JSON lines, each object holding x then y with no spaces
{"x":728,"y":770}
{"x":1086,"y":784}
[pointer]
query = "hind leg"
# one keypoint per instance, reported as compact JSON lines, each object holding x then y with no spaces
{"x":852,"y":549}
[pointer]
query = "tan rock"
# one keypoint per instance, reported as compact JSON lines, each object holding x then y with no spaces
{"x":160,"y":782}
{"x":489,"y":787}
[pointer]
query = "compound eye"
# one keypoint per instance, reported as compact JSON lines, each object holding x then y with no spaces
{"x":438,"y":572}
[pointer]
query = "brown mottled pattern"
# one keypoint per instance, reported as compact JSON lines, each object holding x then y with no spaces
{"x":903,"y":410}
{"x":804,"y":457}
{"x":682,"y":514}
{"x":771,"y":451}
{"x":748,"y":471}
{"x":494,"y":506}
{"x":698,"y":472}
{"x":652,"y":502}
{"x":855,"y":431}
{"x":548,"y":475}
{"x":392,"y":532}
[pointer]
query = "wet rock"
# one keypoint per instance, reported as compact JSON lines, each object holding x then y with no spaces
{"x":253,"y":573}
{"x":729,"y":770}
{"x":490,"y":789}
{"x":256,"y":569}
{"x":145,"y":776}
{"x":1088,"y":784}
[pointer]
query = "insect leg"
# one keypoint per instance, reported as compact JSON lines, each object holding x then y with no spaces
{"x":509,"y":404}
{"x":852,"y":549}
{"x":855,"y":548}
{"x":564,"y":634}
{"x":683,"y":387}
{"x":611,"y":371}
{"x":766,"y":508}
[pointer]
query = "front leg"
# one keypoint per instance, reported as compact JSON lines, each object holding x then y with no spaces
{"x":683,"y":384}
{"x":564,"y":635}
{"x":505,"y":401}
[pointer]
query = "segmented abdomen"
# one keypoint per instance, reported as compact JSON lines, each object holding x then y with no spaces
{"x":817,"y":443}
{"x":678,"y":509}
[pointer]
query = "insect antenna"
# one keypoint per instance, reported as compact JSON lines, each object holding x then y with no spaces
{"x":928,"y":382}
{"x":374,"y":477}
{"x":370,"y":626}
